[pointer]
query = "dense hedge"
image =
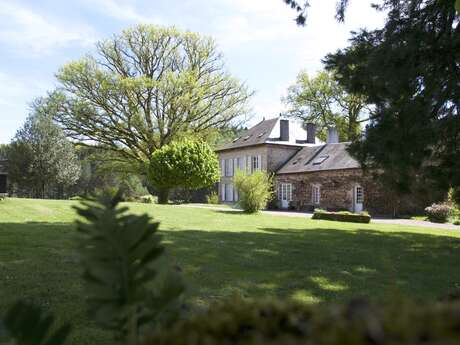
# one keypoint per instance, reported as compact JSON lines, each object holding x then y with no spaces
{"x":291,"y":323}
{"x":342,"y":216}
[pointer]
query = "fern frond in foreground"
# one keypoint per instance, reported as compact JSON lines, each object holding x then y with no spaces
{"x":119,"y":253}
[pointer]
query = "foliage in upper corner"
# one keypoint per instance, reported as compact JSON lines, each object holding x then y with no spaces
{"x":189,"y":164}
{"x":119,"y":253}
{"x":26,"y":324}
{"x":409,"y":71}
{"x":254,"y":190}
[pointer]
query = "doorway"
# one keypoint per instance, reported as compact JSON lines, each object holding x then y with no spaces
{"x":285,"y":194}
{"x":358,"y":198}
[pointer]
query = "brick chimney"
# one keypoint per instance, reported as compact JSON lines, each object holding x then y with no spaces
{"x":284,"y":130}
{"x":311,"y":133}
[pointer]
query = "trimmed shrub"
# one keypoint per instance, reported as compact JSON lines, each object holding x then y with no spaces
{"x":187,"y":164}
{"x":438,"y":213}
{"x":212,"y":198}
{"x":342,"y":216}
{"x":356,"y":323}
{"x":255,"y":190}
{"x":148,"y":199}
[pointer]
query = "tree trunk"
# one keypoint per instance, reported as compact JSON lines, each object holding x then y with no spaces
{"x":163,"y":196}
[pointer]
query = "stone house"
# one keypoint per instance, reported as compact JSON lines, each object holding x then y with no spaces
{"x":308,"y":173}
{"x":3,"y":177}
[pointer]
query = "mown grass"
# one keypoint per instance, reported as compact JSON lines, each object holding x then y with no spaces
{"x":223,"y":253}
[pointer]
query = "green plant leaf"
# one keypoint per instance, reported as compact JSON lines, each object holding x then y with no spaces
{"x":28,"y":325}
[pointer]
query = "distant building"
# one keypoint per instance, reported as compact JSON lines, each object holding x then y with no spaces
{"x":308,"y":173}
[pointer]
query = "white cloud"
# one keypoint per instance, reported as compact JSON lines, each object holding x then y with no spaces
{"x":122,"y":10}
{"x":23,"y":30}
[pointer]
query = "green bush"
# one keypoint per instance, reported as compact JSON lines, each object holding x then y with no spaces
{"x":255,"y":190}
{"x":213,"y":198}
{"x":356,"y":323}
{"x":188,"y":164}
{"x":342,"y":216}
{"x":438,"y":213}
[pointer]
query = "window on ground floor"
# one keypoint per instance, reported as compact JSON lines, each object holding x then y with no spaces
{"x":359,"y":195}
{"x":315,"y":194}
{"x":285,"y":191}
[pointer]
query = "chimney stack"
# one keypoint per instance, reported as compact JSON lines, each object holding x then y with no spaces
{"x":332,"y":135}
{"x":284,"y":130}
{"x":311,"y":133}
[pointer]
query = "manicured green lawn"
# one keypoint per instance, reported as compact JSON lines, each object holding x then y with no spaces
{"x":223,"y":253}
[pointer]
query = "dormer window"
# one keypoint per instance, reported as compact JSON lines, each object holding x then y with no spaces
{"x":320,"y":160}
{"x":261,"y":134}
{"x":236,"y":139}
{"x":246,"y":137}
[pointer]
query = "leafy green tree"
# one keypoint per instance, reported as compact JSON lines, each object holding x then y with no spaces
{"x":254,"y":191}
{"x":40,"y":156}
{"x":322,"y":101}
{"x":410,"y":71}
{"x":144,"y":89}
{"x":4,"y":151}
{"x":189,"y":164}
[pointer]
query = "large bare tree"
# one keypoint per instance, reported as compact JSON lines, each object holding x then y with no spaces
{"x":146,"y":87}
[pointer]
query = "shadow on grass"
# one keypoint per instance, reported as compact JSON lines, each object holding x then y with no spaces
{"x":316,"y":264}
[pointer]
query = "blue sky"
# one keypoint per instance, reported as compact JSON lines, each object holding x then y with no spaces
{"x":260,"y":42}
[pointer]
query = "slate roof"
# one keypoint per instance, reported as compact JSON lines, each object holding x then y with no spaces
{"x":320,"y":158}
{"x":258,"y":134}
{"x":268,"y":132}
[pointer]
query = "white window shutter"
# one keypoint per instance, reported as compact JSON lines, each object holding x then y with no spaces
{"x":222,"y":192}
{"x":222,"y":167}
{"x":230,"y":172}
{"x":248,"y":165}
{"x":230,"y":192}
{"x":259,"y":162}
{"x":241,"y":163}
{"x":235,"y":165}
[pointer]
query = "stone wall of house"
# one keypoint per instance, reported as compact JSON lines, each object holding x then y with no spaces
{"x":272,"y":157}
{"x":337,"y":191}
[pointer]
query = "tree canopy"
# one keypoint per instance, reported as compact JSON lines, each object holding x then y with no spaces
{"x":322,"y":101}
{"x":410,"y":71}
{"x":189,"y":164}
{"x":145,"y":88}
{"x":40,"y":156}
{"x":301,"y":7}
